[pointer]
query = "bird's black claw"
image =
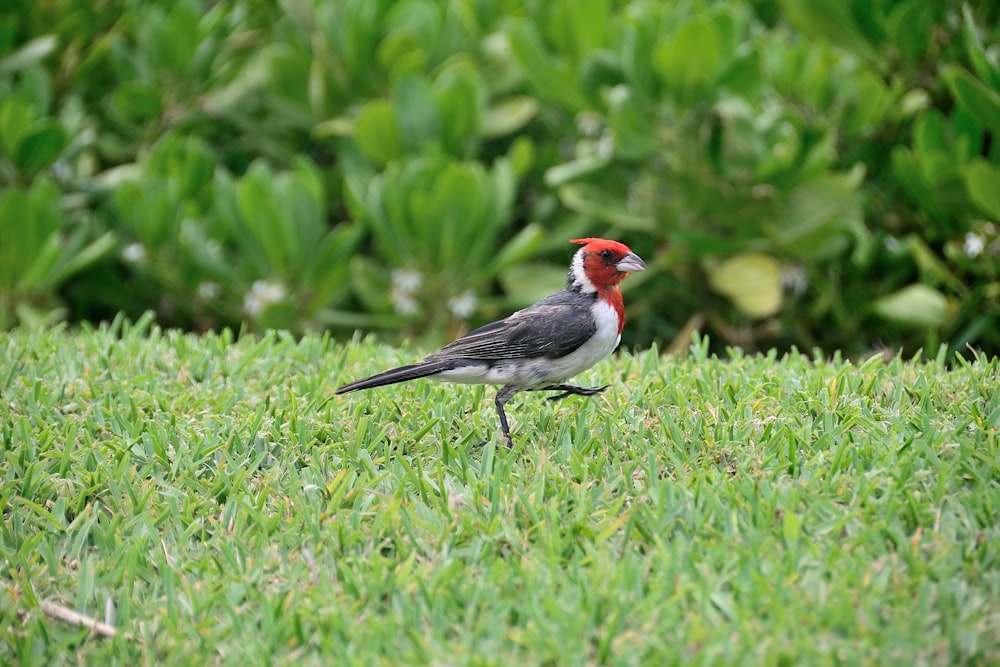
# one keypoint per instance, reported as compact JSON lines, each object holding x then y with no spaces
{"x":569,"y":390}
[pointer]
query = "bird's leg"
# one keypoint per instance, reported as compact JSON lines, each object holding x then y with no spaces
{"x":502,"y":397}
{"x":570,"y":390}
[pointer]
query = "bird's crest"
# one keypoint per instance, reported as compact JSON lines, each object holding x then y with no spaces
{"x":600,"y":244}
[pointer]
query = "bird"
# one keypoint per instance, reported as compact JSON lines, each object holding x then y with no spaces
{"x":542,"y":346}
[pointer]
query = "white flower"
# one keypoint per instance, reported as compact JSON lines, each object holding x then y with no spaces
{"x":794,"y":279}
{"x":405,"y":283}
{"x":208,"y":290}
{"x":891,"y":243}
{"x":589,"y":124}
{"x":606,"y":146}
{"x":261,"y":295}
{"x":214,"y":249}
{"x":405,"y":304}
{"x":463,"y":305}
{"x":407,"y":280}
{"x":973,"y":245}
{"x":134,"y":253}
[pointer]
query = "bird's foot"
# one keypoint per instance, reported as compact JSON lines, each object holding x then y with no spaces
{"x":571,"y":390}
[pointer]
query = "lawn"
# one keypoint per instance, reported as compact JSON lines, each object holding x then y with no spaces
{"x":213,"y":501}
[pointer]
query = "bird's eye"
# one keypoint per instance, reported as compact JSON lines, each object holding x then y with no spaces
{"x":606,"y":254}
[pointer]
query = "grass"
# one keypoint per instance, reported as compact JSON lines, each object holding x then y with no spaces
{"x":750,"y":510}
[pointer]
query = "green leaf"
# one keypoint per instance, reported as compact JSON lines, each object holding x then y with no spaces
{"x":542,"y":69}
{"x":527,"y":283}
{"x":136,"y":101}
{"x":817,"y":215}
{"x":910,"y":176}
{"x":691,"y":58}
{"x":29,"y":54}
{"x":40,"y":147}
{"x":916,"y":305}
{"x":370,"y":282}
{"x":421,"y":19}
{"x":588,"y":21}
{"x":630,"y":120}
{"x":639,"y":40}
{"x":401,"y":55}
{"x":520,"y":248}
{"x":17,"y":115}
{"x":348,"y":320}
{"x":929,"y":265}
{"x":334,"y":127}
{"x":913,"y":102}
{"x":909,"y":26}
{"x":329,"y":271}
{"x":78,"y":259}
{"x":830,"y":21}
{"x":968,"y":136}
{"x":599,"y":70}
{"x":930,"y":132}
{"x":567,"y":172}
{"x":460,"y":94}
{"x":791,"y":528}
{"x":982,"y":102}
{"x":503,"y":189}
{"x":874,"y":101}
{"x":17,"y":247}
{"x":595,"y":201}
{"x":189,"y":165}
{"x":751,"y":281}
{"x":149,"y":209}
{"x":301,"y":195}
{"x":40,"y":265}
{"x":377,"y":132}
{"x":31,"y":317}
{"x":993,"y":420}
{"x":456,"y":203}
{"x":984,"y":63}
{"x":173,"y":36}
{"x":263,"y":221}
{"x":982,"y":180}
{"x":416,"y":112}
{"x":744,"y":76}
{"x":521,"y":156}
{"x":509,"y":115}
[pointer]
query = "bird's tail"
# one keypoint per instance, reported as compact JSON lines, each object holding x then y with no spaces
{"x":401,"y":374}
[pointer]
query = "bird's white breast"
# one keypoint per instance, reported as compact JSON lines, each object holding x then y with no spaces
{"x":540,"y":371}
{"x":601,"y":344}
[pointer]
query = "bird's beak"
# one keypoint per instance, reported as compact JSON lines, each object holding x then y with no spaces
{"x":630,"y":262}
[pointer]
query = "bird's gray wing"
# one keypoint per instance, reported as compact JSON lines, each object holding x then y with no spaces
{"x":551,"y":328}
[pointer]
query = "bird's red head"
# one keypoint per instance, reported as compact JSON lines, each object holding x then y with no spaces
{"x":601,"y":263}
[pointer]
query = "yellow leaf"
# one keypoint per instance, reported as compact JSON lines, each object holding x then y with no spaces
{"x":751,"y":280}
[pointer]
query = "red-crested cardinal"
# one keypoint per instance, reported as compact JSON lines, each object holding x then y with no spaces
{"x":541,"y":346}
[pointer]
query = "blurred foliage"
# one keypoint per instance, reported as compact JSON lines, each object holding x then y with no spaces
{"x":795,"y":172}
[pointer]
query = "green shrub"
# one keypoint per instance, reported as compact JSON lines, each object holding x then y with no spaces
{"x":39,"y":252}
{"x":795,"y":172}
{"x":218,"y":249}
{"x":757,"y":158}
